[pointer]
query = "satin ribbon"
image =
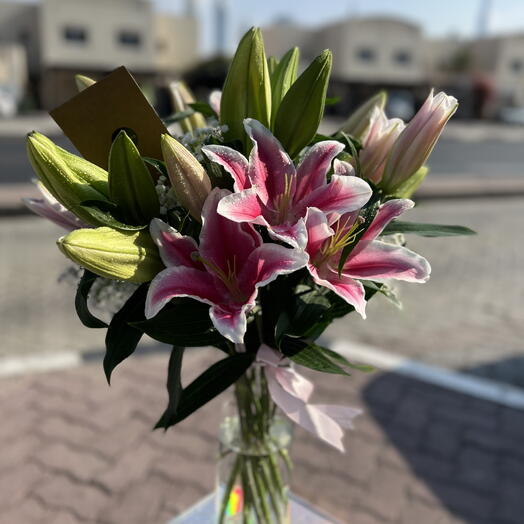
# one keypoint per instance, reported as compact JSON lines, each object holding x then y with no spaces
{"x":291,"y":392}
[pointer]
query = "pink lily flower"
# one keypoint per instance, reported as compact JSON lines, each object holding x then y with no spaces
{"x":370,"y":259}
{"x":270,"y":192}
{"x":416,"y":142}
{"x":377,"y":144}
{"x":48,"y":207}
{"x":224,"y":271}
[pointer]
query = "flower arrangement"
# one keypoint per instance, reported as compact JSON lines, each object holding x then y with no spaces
{"x":252,"y":234}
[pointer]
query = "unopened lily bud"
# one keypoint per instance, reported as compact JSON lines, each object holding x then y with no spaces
{"x":414,"y":145}
{"x":120,"y":255}
{"x":182,"y":97}
{"x":190,"y":182}
{"x":83,"y":82}
{"x":302,"y":108}
{"x":360,"y":120}
{"x":247,"y":88}
{"x":70,"y":179}
{"x":377,"y":143}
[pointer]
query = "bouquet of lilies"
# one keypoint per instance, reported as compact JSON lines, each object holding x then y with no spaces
{"x":252,"y":234}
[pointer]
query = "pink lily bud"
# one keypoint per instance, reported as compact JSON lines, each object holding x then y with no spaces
{"x":414,"y":145}
{"x":377,"y":143}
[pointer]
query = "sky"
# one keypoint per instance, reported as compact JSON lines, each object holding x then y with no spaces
{"x":438,"y":18}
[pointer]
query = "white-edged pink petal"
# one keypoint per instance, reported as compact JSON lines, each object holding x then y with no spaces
{"x":232,"y":161}
{"x":386,"y":213}
{"x":266,"y":263}
{"x":214,"y":100}
{"x":312,"y":171}
{"x":242,"y":207}
{"x":341,"y":195}
{"x":343,"y":415}
{"x":345,"y":287}
{"x":341,"y":167}
{"x":181,"y":282}
{"x":230,"y":323}
{"x":55,"y":213}
{"x":293,"y":234}
{"x":270,"y":168}
{"x":318,"y":230}
{"x":381,"y":261}
{"x":175,"y":249}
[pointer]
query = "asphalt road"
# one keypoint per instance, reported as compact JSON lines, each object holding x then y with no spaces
{"x":457,"y":154}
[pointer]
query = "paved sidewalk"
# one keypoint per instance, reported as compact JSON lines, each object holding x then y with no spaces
{"x":76,"y":451}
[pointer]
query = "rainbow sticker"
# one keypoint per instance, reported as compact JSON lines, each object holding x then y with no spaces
{"x":234,"y":505}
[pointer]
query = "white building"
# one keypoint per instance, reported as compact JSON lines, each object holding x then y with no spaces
{"x":93,"y":37}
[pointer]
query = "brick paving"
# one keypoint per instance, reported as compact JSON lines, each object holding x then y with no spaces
{"x":74,"y":450}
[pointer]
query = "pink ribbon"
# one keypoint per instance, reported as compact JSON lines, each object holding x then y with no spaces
{"x":291,"y":392}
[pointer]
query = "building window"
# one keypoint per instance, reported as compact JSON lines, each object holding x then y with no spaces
{"x":366,"y":54}
{"x":129,"y":38}
{"x":516,"y":65}
{"x":75,"y":34}
{"x":402,"y":57}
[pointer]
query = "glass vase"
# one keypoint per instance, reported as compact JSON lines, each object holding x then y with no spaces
{"x":254,"y":467}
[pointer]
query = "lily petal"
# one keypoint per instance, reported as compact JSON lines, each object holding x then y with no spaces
{"x":345,"y":287}
{"x":386,"y":213}
{"x":221,"y":239}
{"x":232,"y":324}
{"x":295,"y":235}
{"x":56,"y":213}
{"x":381,"y":261}
{"x":242,"y":207}
{"x":232,"y":161}
{"x":312,"y":171}
{"x":318,"y":230}
{"x":341,"y":167}
{"x":175,"y":249}
{"x":270,"y":168}
{"x":266,"y":263}
{"x":341,"y":195}
{"x":181,"y":282}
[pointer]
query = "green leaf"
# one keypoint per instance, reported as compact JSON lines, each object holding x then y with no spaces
{"x":209,"y":384}
{"x":105,"y":217}
{"x":272,"y":63}
{"x":82,"y":294}
{"x":337,"y":357}
{"x":302,"y":109}
{"x":282,"y":79}
{"x":176,"y":117}
{"x":203,"y":108}
{"x":131,"y":185}
{"x":310,"y":355}
{"x":331,"y":101}
{"x":157,"y":164}
{"x":185,"y":322}
{"x":174,"y":388}
{"x":247,"y":88}
{"x":385,"y":290}
{"x":122,"y":338}
{"x":427,"y":230}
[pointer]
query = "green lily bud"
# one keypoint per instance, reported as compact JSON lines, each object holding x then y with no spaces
{"x":272,"y":63}
{"x":83,"y":82}
{"x":70,"y":179}
{"x":358,"y":122}
{"x":120,"y":255}
{"x":182,"y":97}
{"x":131,"y":186}
{"x":302,"y":108}
{"x":190,"y":182}
{"x":409,"y":186}
{"x":282,"y":79}
{"x":247,"y":89}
